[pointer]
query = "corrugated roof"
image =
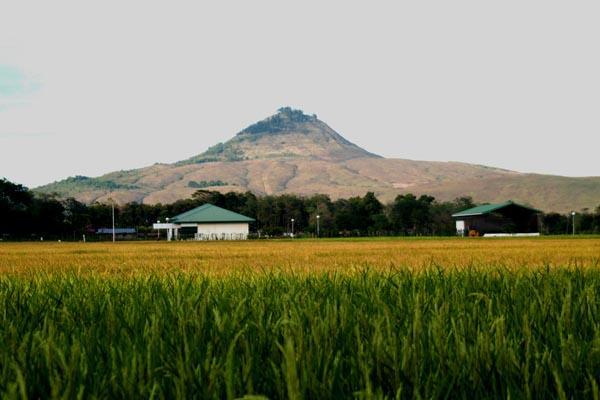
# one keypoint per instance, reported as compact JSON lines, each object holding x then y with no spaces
{"x":488,"y":208}
{"x":209,"y":213}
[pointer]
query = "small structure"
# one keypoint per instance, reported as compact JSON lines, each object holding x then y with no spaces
{"x":208,"y":222}
{"x":118,"y":231}
{"x":123,"y":233}
{"x":504,"y":219}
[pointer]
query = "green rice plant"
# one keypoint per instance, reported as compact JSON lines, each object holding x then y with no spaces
{"x":470,"y":333}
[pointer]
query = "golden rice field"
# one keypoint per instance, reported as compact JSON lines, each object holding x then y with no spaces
{"x":299,"y":256}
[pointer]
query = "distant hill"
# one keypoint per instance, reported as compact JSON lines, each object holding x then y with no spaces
{"x":291,"y":152}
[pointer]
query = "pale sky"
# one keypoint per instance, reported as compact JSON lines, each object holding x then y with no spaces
{"x":88,"y":88}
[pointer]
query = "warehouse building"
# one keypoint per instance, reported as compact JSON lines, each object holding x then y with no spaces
{"x":207,"y":222}
{"x":504,"y":219}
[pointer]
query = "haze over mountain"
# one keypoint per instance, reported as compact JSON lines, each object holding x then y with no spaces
{"x":291,"y":152}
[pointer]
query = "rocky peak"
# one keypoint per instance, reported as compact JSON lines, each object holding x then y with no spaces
{"x":287,"y":134}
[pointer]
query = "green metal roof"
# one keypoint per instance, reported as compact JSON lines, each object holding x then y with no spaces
{"x":489,"y":208}
{"x":209,"y":213}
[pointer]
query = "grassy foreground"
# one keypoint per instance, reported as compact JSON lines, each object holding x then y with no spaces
{"x":385,"y":318}
{"x":471,"y":333}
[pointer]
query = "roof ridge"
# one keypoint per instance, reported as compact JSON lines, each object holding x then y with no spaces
{"x":189,"y":211}
{"x":487,"y":208}
{"x":203,"y":213}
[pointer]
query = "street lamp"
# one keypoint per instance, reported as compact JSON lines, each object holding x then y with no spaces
{"x":318,"y":218}
{"x":292,"y":227}
{"x":573,"y":214}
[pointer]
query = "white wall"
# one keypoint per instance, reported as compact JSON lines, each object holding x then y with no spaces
{"x":223,"y":228}
{"x":234,"y":231}
{"x":460,"y":227}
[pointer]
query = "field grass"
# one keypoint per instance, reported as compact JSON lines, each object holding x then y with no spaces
{"x":499,"y":318}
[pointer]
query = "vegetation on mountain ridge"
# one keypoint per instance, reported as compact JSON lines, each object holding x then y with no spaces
{"x":205,"y":184}
{"x":287,"y":119}
{"x":71,"y":185}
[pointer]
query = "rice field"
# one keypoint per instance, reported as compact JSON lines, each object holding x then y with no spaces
{"x":300,"y":256}
{"x":385,"y":318}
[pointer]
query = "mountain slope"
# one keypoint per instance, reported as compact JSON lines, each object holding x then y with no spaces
{"x":291,"y":152}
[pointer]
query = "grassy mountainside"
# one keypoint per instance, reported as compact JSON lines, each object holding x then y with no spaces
{"x":547,"y":192}
{"x":291,"y":152}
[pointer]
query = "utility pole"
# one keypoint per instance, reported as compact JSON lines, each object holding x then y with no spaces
{"x":318,"y":218}
{"x":113,"y":219}
{"x":573,"y":214}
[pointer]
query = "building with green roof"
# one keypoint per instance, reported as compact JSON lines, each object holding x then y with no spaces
{"x":208,"y":222}
{"x":508,"y":218}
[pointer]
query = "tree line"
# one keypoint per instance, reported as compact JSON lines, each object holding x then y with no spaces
{"x":25,"y":215}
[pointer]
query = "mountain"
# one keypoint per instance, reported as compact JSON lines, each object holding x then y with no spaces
{"x":289,"y":134}
{"x":291,"y":152}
